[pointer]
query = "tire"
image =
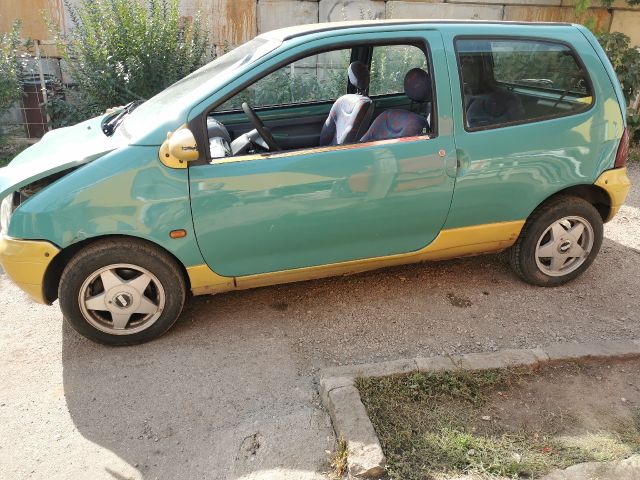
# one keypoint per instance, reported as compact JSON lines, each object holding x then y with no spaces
{"x":559,"y":241}
{"x":121,"y":292}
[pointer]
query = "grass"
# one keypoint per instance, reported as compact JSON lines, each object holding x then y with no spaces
{"x":339,"y":463}
{"x":438,"y":424}
{"x":634,"y":154}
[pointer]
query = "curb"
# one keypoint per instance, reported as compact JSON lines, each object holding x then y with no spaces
{"x":350,"y":420}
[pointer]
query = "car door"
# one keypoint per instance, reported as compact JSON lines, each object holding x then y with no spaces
{"x":529,"y":122}
{"x":317,"y":206}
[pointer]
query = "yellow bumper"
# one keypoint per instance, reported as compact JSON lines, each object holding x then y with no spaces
{"x":25,"y":262}
{"x":617,"y":184}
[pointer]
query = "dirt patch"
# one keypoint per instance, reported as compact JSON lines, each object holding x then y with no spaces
{"x":459,"y":301}
{"x":518,"y":423}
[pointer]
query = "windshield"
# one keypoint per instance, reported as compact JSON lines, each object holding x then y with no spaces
{"x":196,"y":85}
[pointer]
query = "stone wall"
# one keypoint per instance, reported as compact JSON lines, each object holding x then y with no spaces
{"x":235,"y":21}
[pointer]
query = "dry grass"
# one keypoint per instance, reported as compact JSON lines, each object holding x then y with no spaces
{"x":451,"y":423}
{"x":339,"y":463}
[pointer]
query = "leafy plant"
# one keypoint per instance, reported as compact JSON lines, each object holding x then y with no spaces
{"x":626,"y":62}
{"x":124,"y":50}
{"x":10,"y":69}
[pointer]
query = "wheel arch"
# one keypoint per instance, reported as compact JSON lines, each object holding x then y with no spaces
{"x":595,"y":195}
{"x":54,"y":271}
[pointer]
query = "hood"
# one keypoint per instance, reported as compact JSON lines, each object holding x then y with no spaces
{"x":58,"y":150}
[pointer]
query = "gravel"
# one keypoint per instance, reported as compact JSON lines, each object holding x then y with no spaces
{"x":230,"y":391}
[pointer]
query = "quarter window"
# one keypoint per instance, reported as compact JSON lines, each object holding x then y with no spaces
{"x":517,"y":81}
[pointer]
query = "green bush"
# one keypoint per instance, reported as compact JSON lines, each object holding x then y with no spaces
{"x":124,"y":50}
{"x":10,"y":68}
{"x":626,"y":62}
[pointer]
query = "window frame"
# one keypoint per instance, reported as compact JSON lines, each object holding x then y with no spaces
{"x":521,"y":38}
{"x":200,"y":122}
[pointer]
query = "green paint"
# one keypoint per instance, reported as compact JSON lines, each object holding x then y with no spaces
{"x":127,"y":192}
{"x":272,"y":214}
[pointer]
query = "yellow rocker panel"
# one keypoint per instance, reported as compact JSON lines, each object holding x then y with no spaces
{"x":450,"y":243}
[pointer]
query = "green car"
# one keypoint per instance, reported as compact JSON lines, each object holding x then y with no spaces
{"x":323,"y":150}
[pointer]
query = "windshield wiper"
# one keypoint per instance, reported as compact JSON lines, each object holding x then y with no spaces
{"x":109,"y":127}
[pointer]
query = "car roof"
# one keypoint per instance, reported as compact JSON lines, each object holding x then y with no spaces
{"x":287,"y":33}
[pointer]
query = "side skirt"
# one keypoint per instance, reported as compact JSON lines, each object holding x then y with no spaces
{"x":450,"y":243}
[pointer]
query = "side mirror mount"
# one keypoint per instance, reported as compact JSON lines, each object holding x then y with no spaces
{"x":179,"y":148}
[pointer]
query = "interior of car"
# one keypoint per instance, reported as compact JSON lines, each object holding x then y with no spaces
{"x":362,"y":94}
{"x":515,"y":81}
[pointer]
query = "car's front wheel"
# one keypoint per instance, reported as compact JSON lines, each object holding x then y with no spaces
{"x":121,"y":292}
{"x":558,"y":242}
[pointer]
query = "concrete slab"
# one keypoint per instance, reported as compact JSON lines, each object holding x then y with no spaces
{"x":502,"y":359}
{"x":628,"y":469}
{"x":604,"y":349}
{"x":341,"y":10}
{"x":627,"y":22}
{"x":274,"y":14}
{"x":413,"y":10}
{"x":351,"y":422}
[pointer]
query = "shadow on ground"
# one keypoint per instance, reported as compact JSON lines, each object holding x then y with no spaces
{"x":230,"y":389}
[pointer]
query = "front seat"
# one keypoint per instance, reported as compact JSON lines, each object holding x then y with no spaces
{"x":351,"y":114}
{"x":397,"y":123}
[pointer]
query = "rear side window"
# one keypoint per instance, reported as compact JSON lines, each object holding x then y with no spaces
{"x":389,"y":65}
{"x":507,"y":81}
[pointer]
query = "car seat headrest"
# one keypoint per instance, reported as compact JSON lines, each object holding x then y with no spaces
{"x":417,"y":85}
{"x":359,"y":75}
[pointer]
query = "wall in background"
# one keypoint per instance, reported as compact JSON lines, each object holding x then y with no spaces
{"x":232,"y":22}
{"x":235,"y":21}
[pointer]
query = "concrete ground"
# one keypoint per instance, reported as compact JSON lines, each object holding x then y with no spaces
{"x":230,"y":392}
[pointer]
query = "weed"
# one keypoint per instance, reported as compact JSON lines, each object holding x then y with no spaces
{"x":339,"y":463}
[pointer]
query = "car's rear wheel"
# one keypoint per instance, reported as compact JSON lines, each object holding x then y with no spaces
{"x":559,"y":241}
{"x":122,"y":292}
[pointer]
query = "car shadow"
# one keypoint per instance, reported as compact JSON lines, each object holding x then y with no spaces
{"x":230,"y":390}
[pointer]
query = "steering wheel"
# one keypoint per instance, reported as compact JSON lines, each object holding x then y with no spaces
{"x":262,"y":129}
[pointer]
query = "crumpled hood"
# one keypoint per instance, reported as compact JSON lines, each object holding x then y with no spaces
{"x":58,"y":150}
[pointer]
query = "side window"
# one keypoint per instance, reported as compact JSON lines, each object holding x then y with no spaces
{"x":318,"y":78}
{"x":507,"y":81}
{"x":389,"y":65}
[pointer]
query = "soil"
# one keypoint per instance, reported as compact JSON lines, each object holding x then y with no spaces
{"x":512,"y":423}
{"x":572,"y":399}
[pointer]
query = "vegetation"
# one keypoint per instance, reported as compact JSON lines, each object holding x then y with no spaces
{"x":626,"y":62}
{"x":124,"y":50}
{"x":316,"y":78}
{"x":323,"y":77}
{"x":13,"y":55}
{"x":437,"y":424}
{"x":339,"y":463}
{"x":10,"y":68}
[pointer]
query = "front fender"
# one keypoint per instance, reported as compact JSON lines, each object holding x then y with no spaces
{"x":126,"y":192}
